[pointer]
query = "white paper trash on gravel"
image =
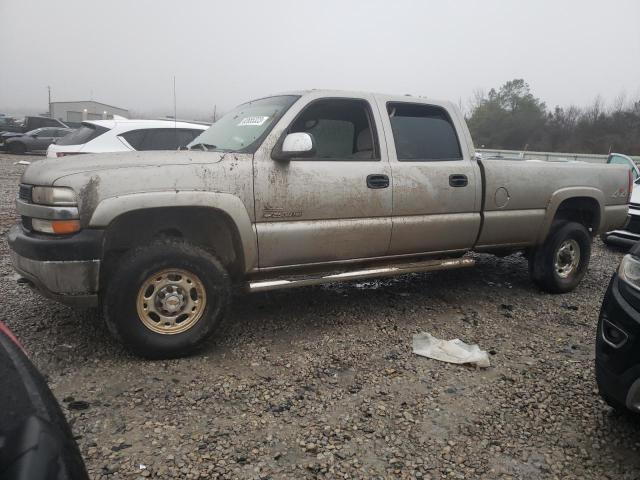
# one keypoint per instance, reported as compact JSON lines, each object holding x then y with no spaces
{"x":452,"y":351}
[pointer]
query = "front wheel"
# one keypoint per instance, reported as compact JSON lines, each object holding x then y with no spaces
{"x":560,"y":263}
{"x":165,"y":299}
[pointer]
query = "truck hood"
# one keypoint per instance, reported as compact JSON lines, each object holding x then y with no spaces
{"x":47,"y":171}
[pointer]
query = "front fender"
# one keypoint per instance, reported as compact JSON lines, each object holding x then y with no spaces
{"x":110,"y":208}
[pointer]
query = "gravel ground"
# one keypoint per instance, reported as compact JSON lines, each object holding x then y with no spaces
{"x":321,"y":381}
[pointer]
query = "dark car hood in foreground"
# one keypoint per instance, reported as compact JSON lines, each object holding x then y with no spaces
{"x":35,"y":439}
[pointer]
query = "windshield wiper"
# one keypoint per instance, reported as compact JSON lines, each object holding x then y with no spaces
{"x":203,"y":146}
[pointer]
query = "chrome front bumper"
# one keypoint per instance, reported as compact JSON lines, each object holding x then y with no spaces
{"x":69,"y":282}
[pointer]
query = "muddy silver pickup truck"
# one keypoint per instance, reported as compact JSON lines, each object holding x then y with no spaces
{"x":293,"y":190}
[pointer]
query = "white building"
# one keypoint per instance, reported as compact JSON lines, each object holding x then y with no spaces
{"x":73,"y":113}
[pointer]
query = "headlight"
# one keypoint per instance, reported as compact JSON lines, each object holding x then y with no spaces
{"x":629,"y":270}
{"x":59,"y":196}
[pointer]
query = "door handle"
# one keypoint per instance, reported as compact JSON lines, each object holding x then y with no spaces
{"x":458,"y":180}
{"x":377,"y":181}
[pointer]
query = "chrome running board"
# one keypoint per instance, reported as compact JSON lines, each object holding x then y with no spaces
{"x":390,"y":270}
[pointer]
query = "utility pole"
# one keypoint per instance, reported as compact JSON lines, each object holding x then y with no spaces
{"x":49,"y":89}
{"x":214,"y":113}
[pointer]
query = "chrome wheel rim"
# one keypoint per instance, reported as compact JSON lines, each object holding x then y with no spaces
{"x":567,"y":258}
{"x":171,"y":301}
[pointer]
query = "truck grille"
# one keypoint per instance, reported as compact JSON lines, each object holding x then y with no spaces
{"x":24,"y":193}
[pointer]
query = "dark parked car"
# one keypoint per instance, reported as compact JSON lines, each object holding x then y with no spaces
{"x":618,"y":337}
{"x":11,"y":124}
{"x":35,"y":440}
{"x":35,"y":141}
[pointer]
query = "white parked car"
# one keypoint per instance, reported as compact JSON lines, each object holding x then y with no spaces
{"x":98,"y":136}
{"x":630,"y":233}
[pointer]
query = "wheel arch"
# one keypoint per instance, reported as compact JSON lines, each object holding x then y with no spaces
{"x":216,"y":222}
{"x":584,"y":205}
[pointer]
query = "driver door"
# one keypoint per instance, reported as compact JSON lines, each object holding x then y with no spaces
{"x":325,"y":208}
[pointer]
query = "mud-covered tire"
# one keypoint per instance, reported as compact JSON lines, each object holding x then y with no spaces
{"x":17,"y":148}
{"x":549,"y":264}
{"x":201,"y":277}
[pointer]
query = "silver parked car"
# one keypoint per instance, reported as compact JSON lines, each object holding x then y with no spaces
{"x":35,"y":141}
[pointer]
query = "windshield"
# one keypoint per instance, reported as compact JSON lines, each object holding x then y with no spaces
{"x":244,"y":127}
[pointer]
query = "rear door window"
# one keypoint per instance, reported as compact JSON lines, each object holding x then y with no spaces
{"x":84,"y":134}
{"x":186,"y":135}
{"x":160,"y":138}
{"x":134,"y":138}
{"x":423,"y":133}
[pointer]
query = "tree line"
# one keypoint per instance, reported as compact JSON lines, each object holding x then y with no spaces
{"x":511,"y":118}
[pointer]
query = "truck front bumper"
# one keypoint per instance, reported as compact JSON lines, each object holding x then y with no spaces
{"x":66,"y":269}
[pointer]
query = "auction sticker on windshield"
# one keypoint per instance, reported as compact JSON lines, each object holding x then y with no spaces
{"x":253,"y":121}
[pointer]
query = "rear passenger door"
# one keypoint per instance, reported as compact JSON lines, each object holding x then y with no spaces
{"x":436,"y":186}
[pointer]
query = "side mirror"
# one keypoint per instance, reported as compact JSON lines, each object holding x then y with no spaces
{"x":295,"y":145}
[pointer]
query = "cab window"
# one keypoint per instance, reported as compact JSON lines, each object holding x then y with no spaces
{"x":342,"y":129}
{"x":423,"y":133}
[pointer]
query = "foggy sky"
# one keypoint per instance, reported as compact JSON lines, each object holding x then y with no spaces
{"x":125,"y":53}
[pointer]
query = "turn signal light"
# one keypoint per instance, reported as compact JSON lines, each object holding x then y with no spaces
{"x":57,"y":227}
{"x":62,"y":227}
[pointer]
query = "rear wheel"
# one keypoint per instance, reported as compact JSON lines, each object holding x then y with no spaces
{"x":165,"y":299}
{"x":560,"y":263}
{"x":17,"y":148}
